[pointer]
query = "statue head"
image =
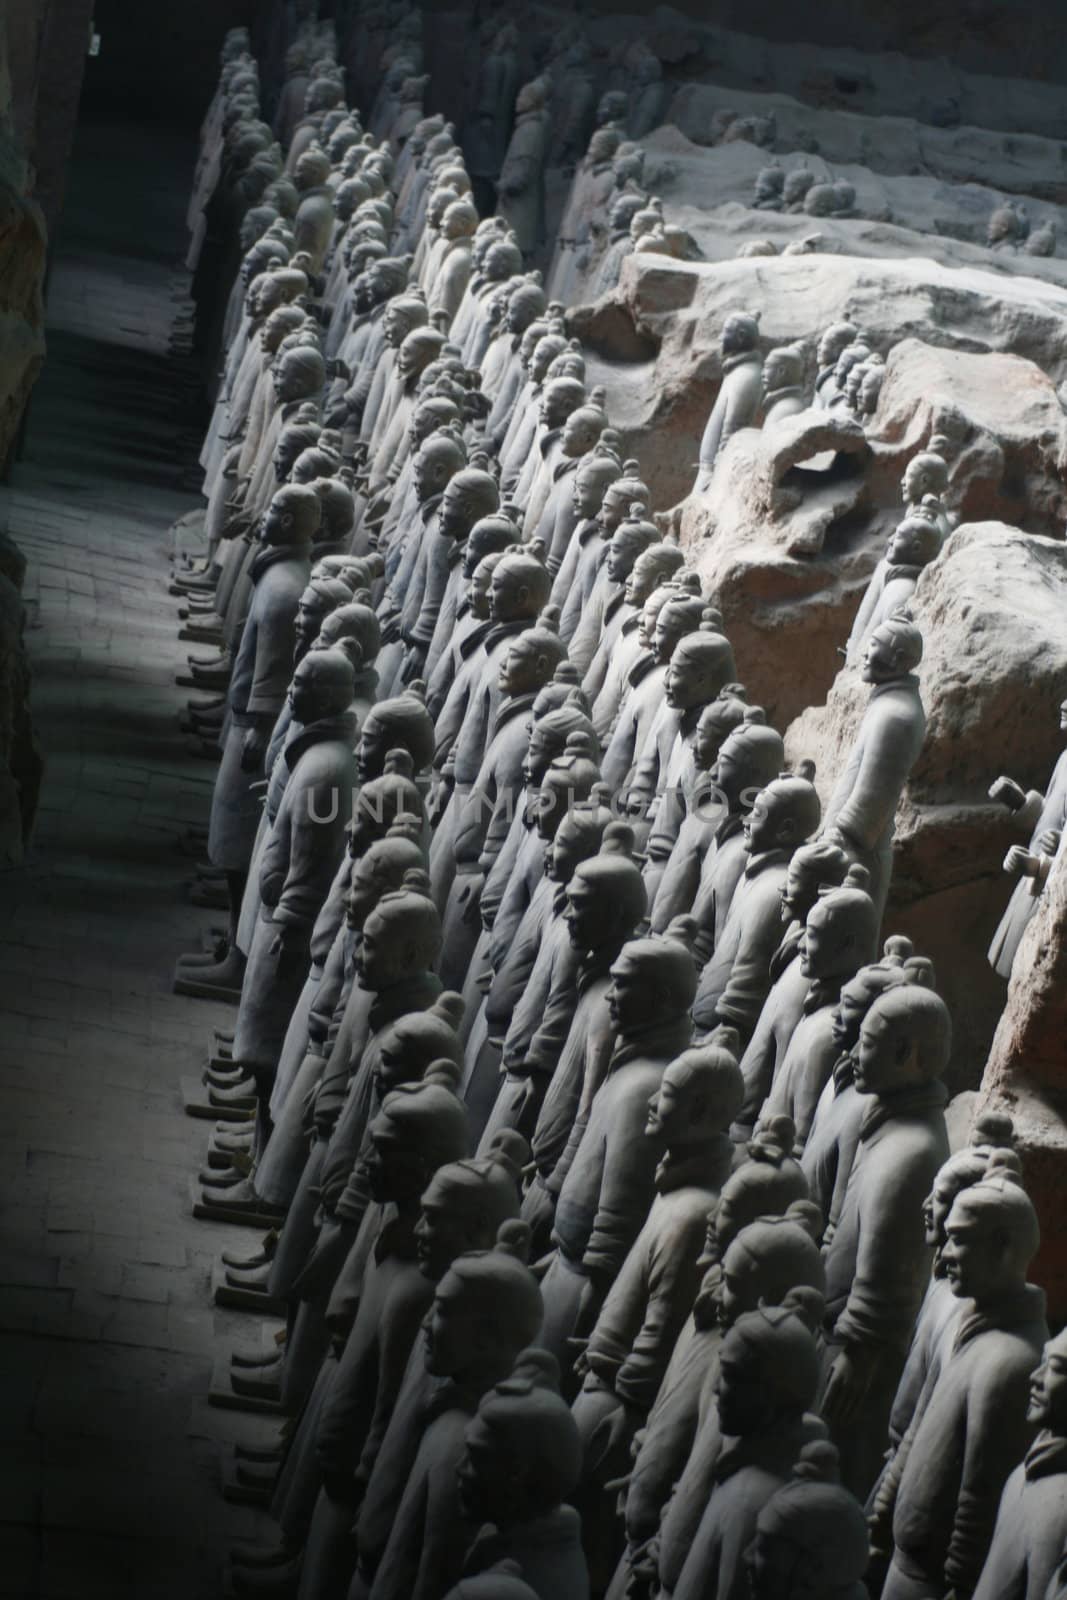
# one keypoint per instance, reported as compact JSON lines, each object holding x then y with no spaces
{"x":717,"y":721}
{"x":471,"y":493}
{"x":322,"y":686}
{"x":282,"y":321}
{"x":321,"y":596}
{"x":522,"y":1451}
{"x":766,"y":1259}
{"x":532,"y":657}
{"x":915,"y":542}
{"x":783,"y":368}
{"x":699,"y":1095}
{"x":594,"y":474}
{"x":992,"y":1236}
{"x":549,"y":733}
{"x":525,"y":304}
{"x":898,"y":965}
{"x":582,"y":428}
{"x":578,"y":837}
{"x":619,"y":496}
{"x":381,"y":802}
{"x":1048,"y":1388}
{"x":569,"y":780}
{"x":420,"y":1127}
{"x":404,"y":313}
{"x":841,"y":930}
{"x":606,"y":896}
{"x":613,"y":106}
{"x":767,"y":1184}
{"x":926,"y":473}
{"x":486,"y":1309}
{"x":436,"y":463}
{"x":904,"y":1040}
{"x":459,"y":219}
{"x":293,"y":516}
{"x":749,"y":758}
{"x":467,"y":1202}
{"x":352,"y":620}
{"x":502,"y":260}
{"x":657,"y":563}
{"x":740,"y":333}
{"x":783,"y":815}
{"x":401,"y":937}
{"x":418,"y":349}
{"x":381,"y":868}
{"x":812,"y":867}
{"x":519,"y":587}
{"x":624,"y":207}
{"x":701,"y":662}
{"x":837,"y":338}
{"x":769,"y":1370}
{"x":992,"y":1136}
{"x":298,"y":374}
{"x":632,"y":536}
{"x":559,"y":398}
{"x":652,"y":980}
{"x":811,"y":1540}
{"x":402,"y":723}
{"x":312,"y":169}
{"x":317,"y":461}
{"x":293,"y":439}
{"x":544,"y":352}
{"x":491,"y":534}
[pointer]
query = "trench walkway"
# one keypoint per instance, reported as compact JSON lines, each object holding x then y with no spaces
{"x":109,"y":1452}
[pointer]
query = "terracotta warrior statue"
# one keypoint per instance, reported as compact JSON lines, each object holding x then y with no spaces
{"x":937,"y":1500}
{"x":914,"y":543}
{"x":811,"y":1537}
{"x":860,"y":816}
{"x":783,"y":384}
{"x":1028,"y":1537}
{"x":522,"y":1455}
{"x":768,"y":1377}
{"x":609,"y":1176}
{"x":1046,"y":815}
{"x":840,"y":937}
{"x":521,"y":185}
{"x":257,"y":690}
{"x":737,"y":979}
{"x":877,"y":1260}
{"x":486,"y":1309}
{"x":628,"y":1351}
{"x":738,"y":401}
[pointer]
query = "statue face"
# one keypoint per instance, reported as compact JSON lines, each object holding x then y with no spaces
{"x":479,"y":592}
{"x":669,"y":1114}
{"x":523,"y":670}
{"x":880,"y":659}
{"x":912,"y":546}
{"x":579,"y":435}
{"x":740,"y":1286}
{"x":450,"y":1332}
{"x":440,"y":1234}
{"x":774,"y":1566}
{"x":975,"y":1256}
{"x":647,"y":627}
{"x":883,"y":1058}
{"x":394,"y":1173}
{"x":711,"y":732}
{"x":763,"y":825}
{"x":309,"y":615}
{"x":613,"y":508}
{"x":387,"y":952}
{"x":584,"y":915}
{"x":855,"y":1002}
{"x":623,"y":551}
{"x":306,"y":692}
{"x":916,"y":482}
{"x":631,"y":1004}
{"x":372,"y":749}
{"x":557,"y":403}
{"x":588,"y":493}
{"x":824,"y":948}
{"x":541,"y":751}
{"x":688,"y":680}
{"x":487,"y":1478}
{"x":741,"y":1393}
{"x":431,"y":471}
{"x":509,"y":597}
{"x":736,"y":337}
{"x":645,"y":576}
{"x":455,"y":515}
{"x":1048,"y":1388}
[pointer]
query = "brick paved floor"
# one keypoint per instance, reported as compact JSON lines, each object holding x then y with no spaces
{"x":109,"y":1454}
